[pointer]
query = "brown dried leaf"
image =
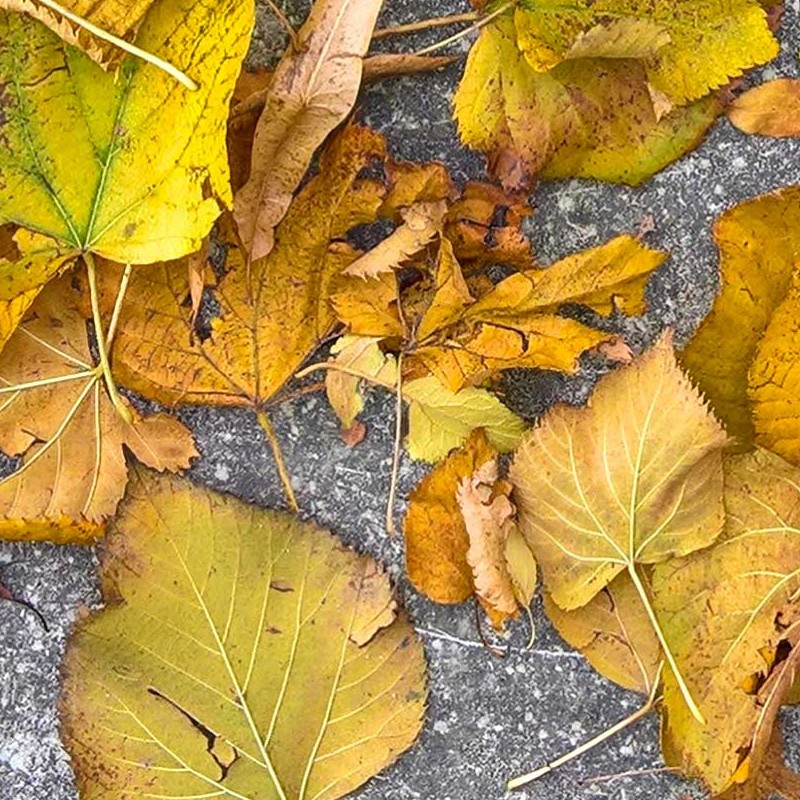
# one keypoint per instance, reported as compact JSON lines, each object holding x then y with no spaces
{"x":772,"y":109}
{"x":312,"y":91}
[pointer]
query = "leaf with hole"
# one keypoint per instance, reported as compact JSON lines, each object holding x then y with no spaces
{"x":242,"y":654}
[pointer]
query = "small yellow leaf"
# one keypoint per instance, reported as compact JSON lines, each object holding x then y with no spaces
{"x":131,"y":166}
{"x":772,"y":109}
{"x":614,"y":634}
{"x":312,"y":91}
{"x":240,"y":637}
{"x":436,"y":536}
{"x":361,"y":354}
{"x":70,"y":438}
{"x":368,"y":306}
{"x":759,"y":243}
{"x":440,"y":420}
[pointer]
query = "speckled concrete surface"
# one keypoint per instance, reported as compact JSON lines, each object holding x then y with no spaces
{"x":489,"y":718}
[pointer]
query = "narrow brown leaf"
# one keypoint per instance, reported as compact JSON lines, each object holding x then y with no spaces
{"x":312,"y":91}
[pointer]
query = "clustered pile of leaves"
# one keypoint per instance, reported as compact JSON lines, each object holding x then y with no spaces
{"x":243,"y":653}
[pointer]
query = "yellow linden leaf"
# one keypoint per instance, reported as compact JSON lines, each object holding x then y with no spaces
{"x":722,"y":608}
{"x":440,"y":420}
{"x":272,"y":313}
{"x":759,"y":243}
{"x":242,"y":654}
{"x":612,"y":632}
{"x":690,"y":46}
{"x":772,"y":109}
{"x":149,"y":154}
{"x":591,"y":118}
{"x":70,"y":438}
{"x":634,"y":479}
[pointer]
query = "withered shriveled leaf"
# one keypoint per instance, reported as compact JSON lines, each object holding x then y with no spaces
{"x":613,"y":633}
{"x":436,"y":537}
{"x":489,"y":517}
{"x":312,"y":91}
{"x":68,"y":434}
{"x":725,"y":611}
{"x":759,"y":244}
{"x":633,"y":479}
{"x":272,"y":313}
{"x":771,"y":109}
{"x":242,"y":654}
{"x":592,"y":118}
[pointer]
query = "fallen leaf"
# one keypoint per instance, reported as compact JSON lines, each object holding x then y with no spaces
{"x":611,"y":276}
{"x":355,"y":434}
{"x":368,"y":307}
{"x":66,"y":117}
{"x":725,"y":610}
{"x":69,"y":436}
{"x":488,"y":515}
{"x":590,"y":118}
{"x":393,"y":65}
{"x":312,"y":91}
{"x":759,"y":249}
{"x":773,"y":778}
{"x":270,"y":316}
{"x":612,"y":632}
{"x":771,"y":109}
{"x":440,"y":420}
{"x":422,"y":222}
{"x":634,"y":479}
{"x":687,"y":48}
{"x":213,"y":706}
{"x":363,"y":355}
{"x":119,"y":19}
{"x":436,"y":536}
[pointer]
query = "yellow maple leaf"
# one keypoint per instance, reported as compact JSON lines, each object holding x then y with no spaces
{"x":56,"y":416}
{"x":180,"y":686}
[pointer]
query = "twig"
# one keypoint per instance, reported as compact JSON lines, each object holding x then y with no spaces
{"x":122,"y":44}
{"x":100,"y":336}
{"x":425,"y":24}
{"x":523,"y":780}
{"x":467,"y":31}
{"x":284,"y":21}
{"x":266,"y":426}
{"x":398,"y":435}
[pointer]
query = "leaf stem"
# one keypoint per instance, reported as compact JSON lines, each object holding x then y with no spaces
{"x":123,"y":287}
{"x":426,"y":24}
{"x":99,"y":333}
{"x":679,"y":679}
{"x":284,"y":21}
{"x":524,"y":780}
{"x":461,"y":34}
{"x":266,"y":426}
{"x":398,"y":436}
{"x":122,"y":44}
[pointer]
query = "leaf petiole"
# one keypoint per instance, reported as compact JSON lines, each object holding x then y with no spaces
{"x":472,"y":28}
{"x":266,"y":425}
{"x":102,"y":349}
{"x":179,"y":76}
{"x":524,"y":780}
{"x":679,"y":679}
{"x":398,"y":435}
